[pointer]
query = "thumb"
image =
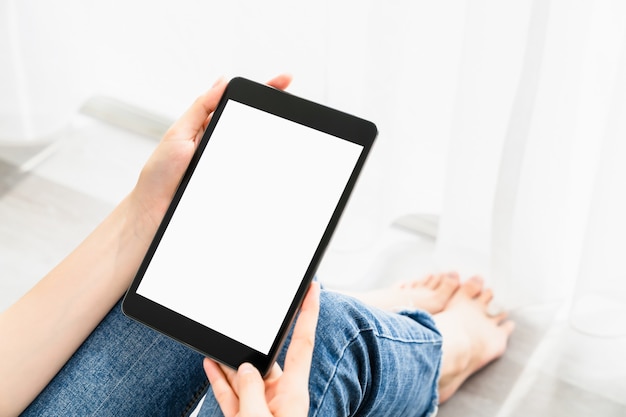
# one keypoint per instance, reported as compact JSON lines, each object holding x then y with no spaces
{"x":251,"y":392}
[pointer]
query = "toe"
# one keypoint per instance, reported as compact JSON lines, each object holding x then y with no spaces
{"x":507,"y":326}
{"x":449,"y":286}
{"x":453,"y":275}
{"x":428,"y":281}
{"x":472,"y":287}
{"x":486,"y":296}
{"x":435,"y":281}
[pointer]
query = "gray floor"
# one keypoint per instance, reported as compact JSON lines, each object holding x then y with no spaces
{"x":52,"y":202}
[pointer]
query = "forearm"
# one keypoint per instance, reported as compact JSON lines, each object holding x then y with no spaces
{"x":44,"y":328}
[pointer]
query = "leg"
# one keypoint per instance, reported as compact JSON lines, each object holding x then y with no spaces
{"x":369,"y":362}
{"x":372,"y":362}
{"x":124,"y":368}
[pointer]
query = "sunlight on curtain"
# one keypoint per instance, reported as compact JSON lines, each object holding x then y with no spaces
{"x":599,"y":304}
{"x":532,"y":110}
{"x":492,"y":63}
{"x":395,"y":63}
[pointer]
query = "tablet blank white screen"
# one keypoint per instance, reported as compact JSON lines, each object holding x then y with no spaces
{"x":248,"y":224}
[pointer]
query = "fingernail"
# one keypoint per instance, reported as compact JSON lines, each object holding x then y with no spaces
{"x":219,"y":81}
{"x":246,"y":368}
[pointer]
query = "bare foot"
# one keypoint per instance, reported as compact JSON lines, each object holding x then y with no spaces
{"x":471,"y":337}
{"x":431,"y":294}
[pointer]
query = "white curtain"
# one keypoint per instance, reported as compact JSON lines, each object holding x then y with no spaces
{"x":599,"y":303}
{"x":535,"y":104}
{"x":492,"y":114}
{"x":36,"y":88}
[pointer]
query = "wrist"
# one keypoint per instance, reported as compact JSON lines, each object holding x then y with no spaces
{"x":143,"y":217}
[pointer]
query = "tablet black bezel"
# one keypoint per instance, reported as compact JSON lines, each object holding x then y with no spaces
{"x":195,"y":335}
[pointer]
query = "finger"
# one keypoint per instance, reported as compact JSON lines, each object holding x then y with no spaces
{"x":300,"y":351}
{"x":222,"y":388}
{"x":231,"y":375}
{"x":273,"y":375}
{"x":251,"y":392}
{"x":192,"y":121}
{"x":204,"y":106}
{"x":280,"y":82}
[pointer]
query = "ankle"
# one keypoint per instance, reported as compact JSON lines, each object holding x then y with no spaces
{"x":457,"y":356}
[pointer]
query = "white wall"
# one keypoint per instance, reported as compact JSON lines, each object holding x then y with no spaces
{"x":395,"y":63}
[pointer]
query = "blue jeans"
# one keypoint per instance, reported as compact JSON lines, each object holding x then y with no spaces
{"x":366,"y":362}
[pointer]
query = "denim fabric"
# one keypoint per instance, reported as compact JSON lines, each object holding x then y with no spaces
{"x":124,"y":369}
{"x":366,"y":362}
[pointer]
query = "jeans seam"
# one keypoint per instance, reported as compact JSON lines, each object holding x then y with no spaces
{"x":196,"y":397}
{"x":334,"y":373}
{"x":351,"y":341}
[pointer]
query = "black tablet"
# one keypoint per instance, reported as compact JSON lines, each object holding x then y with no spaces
{"x":240,"y":243}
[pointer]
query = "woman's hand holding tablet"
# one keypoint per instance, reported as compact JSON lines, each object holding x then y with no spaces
{"x":247,"y":227}
{"x":284,"y":392}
